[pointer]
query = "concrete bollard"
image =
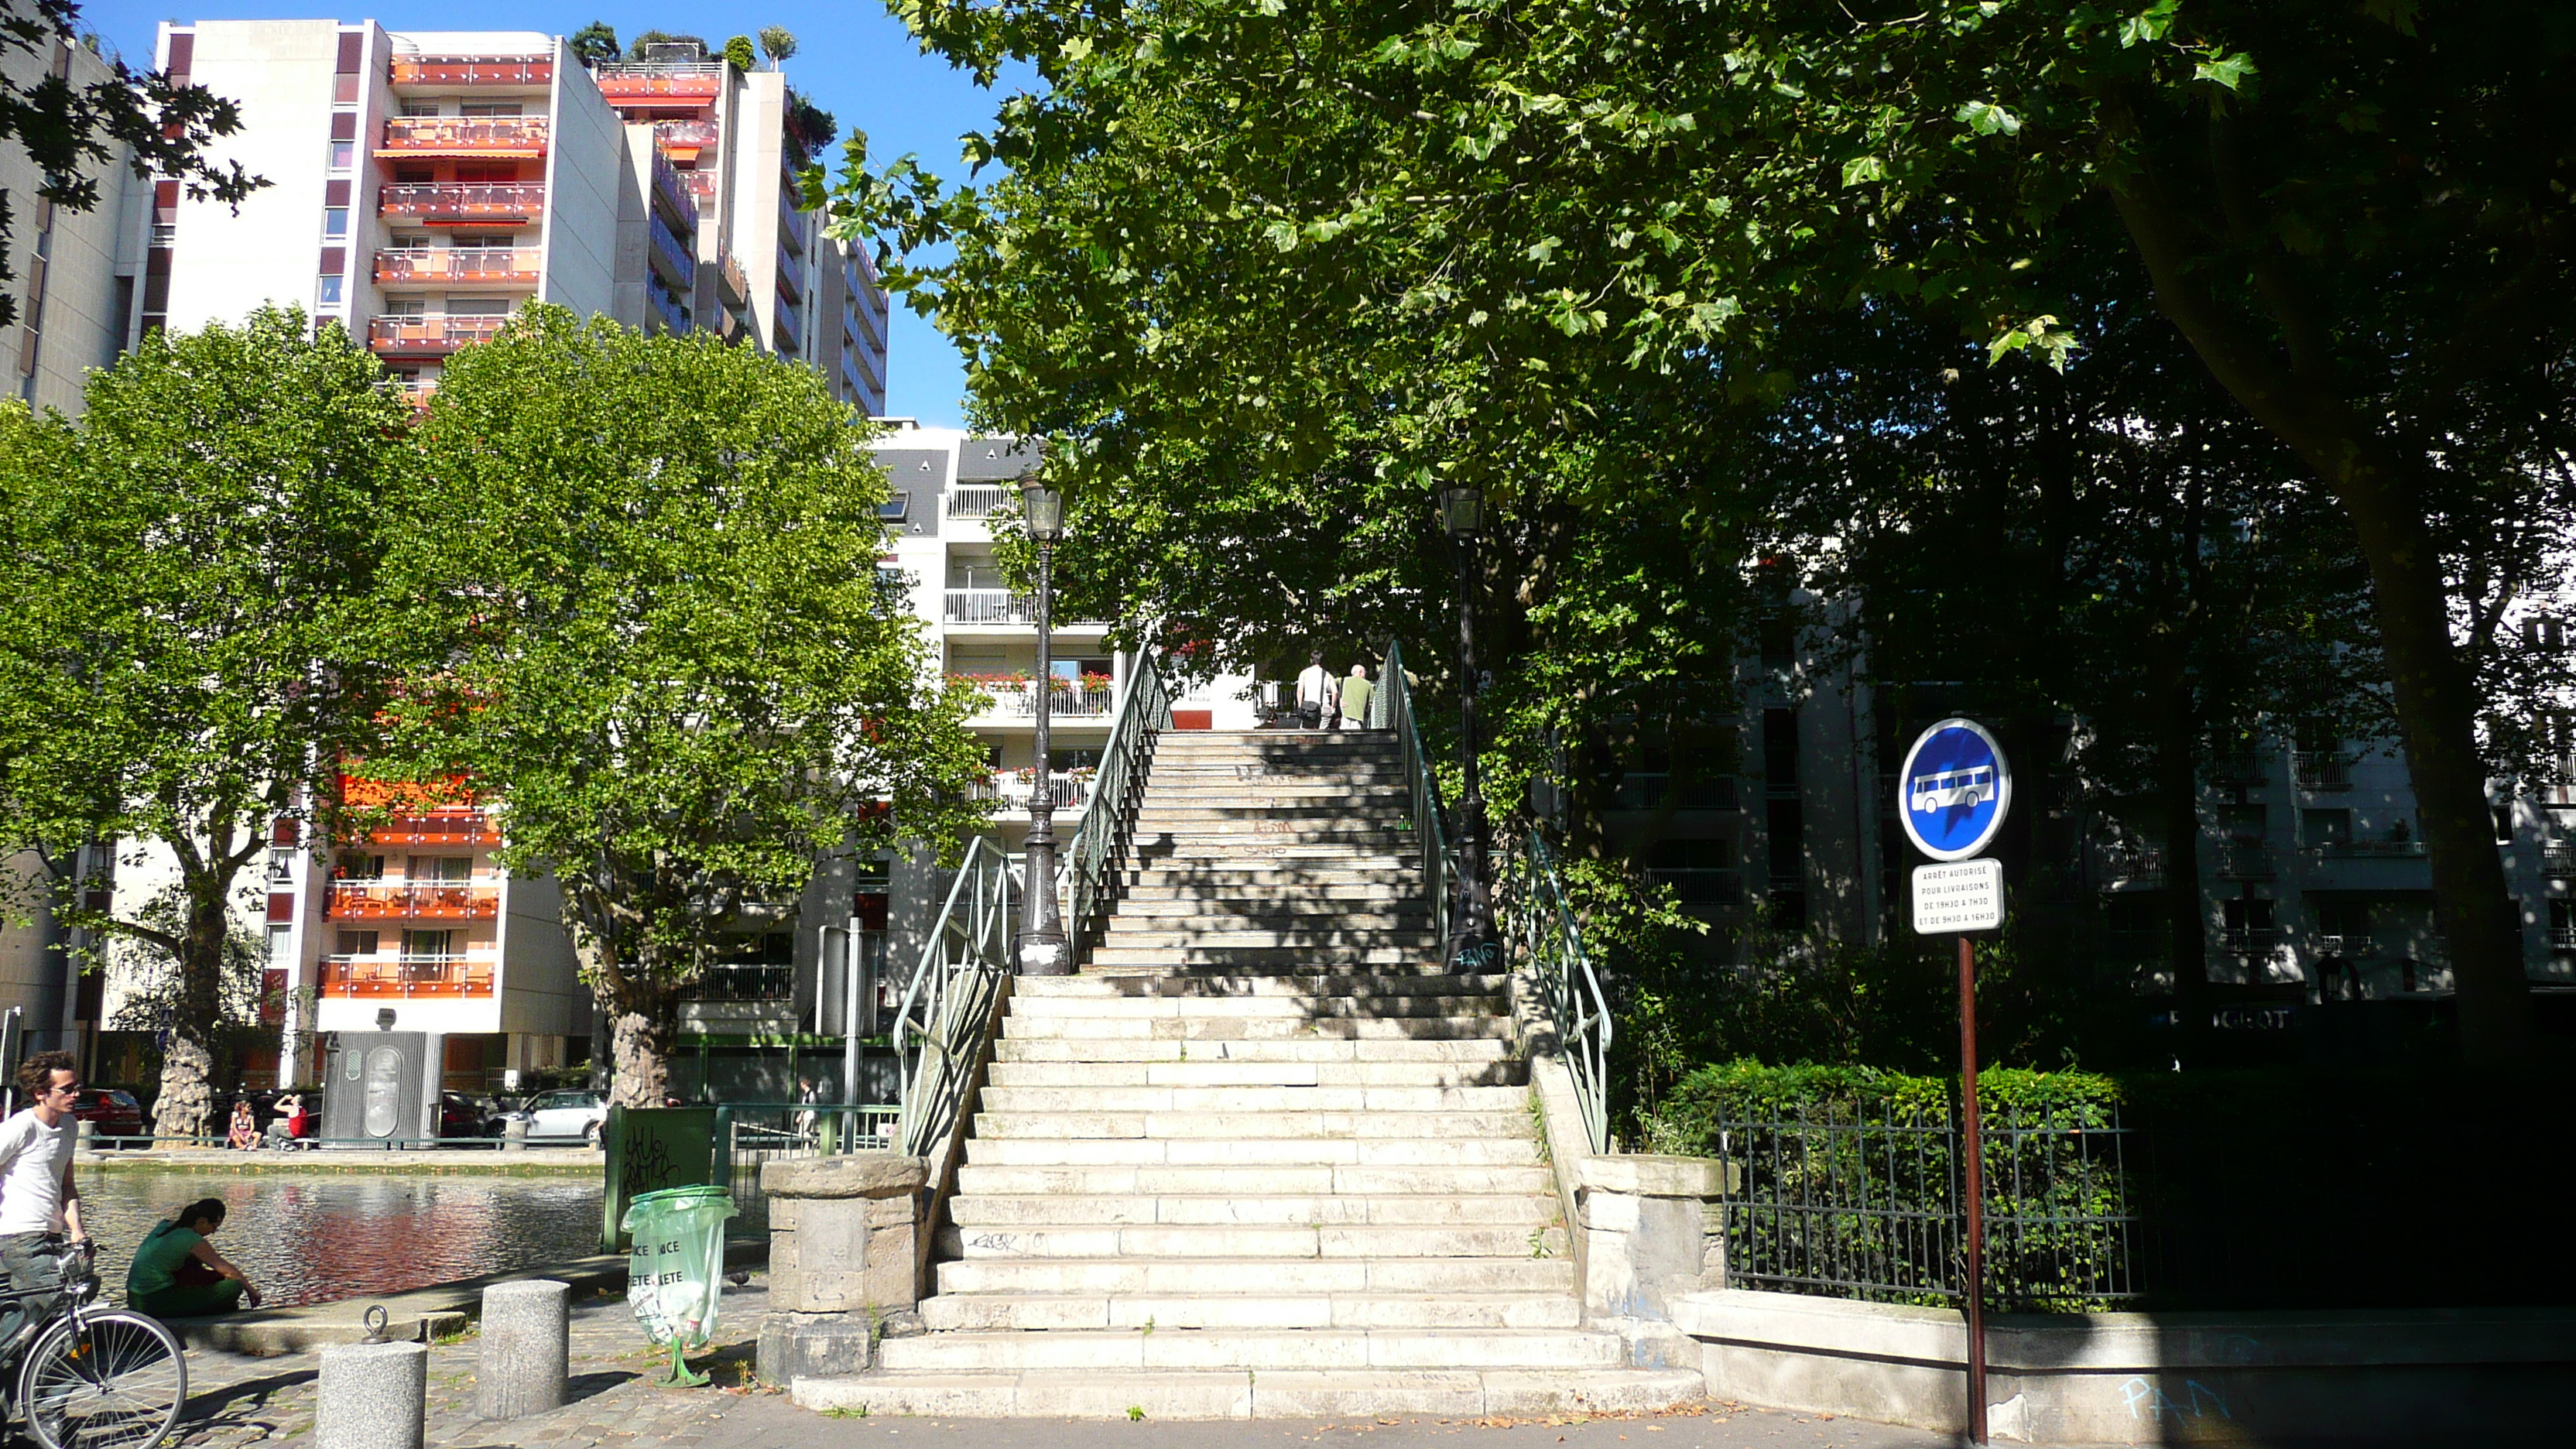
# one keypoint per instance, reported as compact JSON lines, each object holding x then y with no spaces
{"x":514,"y":1135}
{"x":374,"y":1396}
{"x":527,"y":1348}
{"x":87,"y":1134}
{"x":844,"y":1261}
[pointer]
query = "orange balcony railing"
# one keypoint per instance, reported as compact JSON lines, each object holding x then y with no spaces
{"x":432,"y":336}
{"x":657,"y":84}
{"x":464,"y":201}
{"x":464,"y":136}
{"x":461,"y":828}
{"x":472,"y":266}
{"x":685,"y":139}
{"x":473,"y":70}
{"x":375,"y":900}
{"x":469,"y":975}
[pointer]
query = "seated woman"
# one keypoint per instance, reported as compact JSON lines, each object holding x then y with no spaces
{"x":245,"y":1129}
{"x":178,"y":1274}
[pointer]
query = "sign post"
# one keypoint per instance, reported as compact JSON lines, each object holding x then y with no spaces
{"x":1952,"y":796}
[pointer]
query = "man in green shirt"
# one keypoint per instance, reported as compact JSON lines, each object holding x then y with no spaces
{"x":178,"y":1274}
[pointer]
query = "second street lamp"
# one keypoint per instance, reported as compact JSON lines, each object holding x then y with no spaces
{"x":1043,"y":950}
{"x":1462,"y":515}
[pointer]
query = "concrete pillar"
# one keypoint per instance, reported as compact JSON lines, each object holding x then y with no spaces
{"x":374,"y":1396}
{"x":844,"y":1261}
{"x":527,"y":1348}
{"x":88,"y":1137}
{"x":514,"y":1135}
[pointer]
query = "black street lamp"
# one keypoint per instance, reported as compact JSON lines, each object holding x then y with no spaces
{"x":1042,"y":947}
{"x":1462,"y":514}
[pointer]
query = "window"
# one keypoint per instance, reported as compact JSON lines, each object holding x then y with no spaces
{"x":357,"y":943}
{"x":488,"y":108}
{"x":2330,"y":829}
{"x":441,"y":867}
{"x":335,"y":222}
{"x":410,"y":241}
{"x":478,"y":306}
{"x":415,"y":175}
{"x":486,"y":241}
{"x":357,"y":866}
{"x":2245,"y":823}
{"x":328,"y":292}
{"x":2545,"y":633}
{"x":479,"y":172}
{"x":344,"y":154}
{"x":420,"y":108}
{"x":417,"y":944}
{"x":892,"y":510}
{"x":281,"y":945}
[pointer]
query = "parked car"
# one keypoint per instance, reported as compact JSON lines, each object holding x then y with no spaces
{"x":459,"y":1115}
{"x":556,"y":1116}
{"x":114,"y":1109}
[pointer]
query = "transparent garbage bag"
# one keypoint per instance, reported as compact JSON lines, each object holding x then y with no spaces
{"x":675,"y":1278}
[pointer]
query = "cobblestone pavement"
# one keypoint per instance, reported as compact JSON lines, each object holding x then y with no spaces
{"x":237,"y":1401}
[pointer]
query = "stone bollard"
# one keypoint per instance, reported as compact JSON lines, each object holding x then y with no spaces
{"x":514,"y":1135}
{"x":374,"y":1396}
{"x":88,"y":1137}
{"x":527,"y":1348}
{"x":844,"y":1241}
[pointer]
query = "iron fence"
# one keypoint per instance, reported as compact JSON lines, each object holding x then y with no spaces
{"x":750,"y":1134}
{"x":1853,"y":1200}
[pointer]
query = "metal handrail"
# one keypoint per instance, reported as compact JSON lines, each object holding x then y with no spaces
{"x":1100,"y":842}
{"x":1391,"y":708}
{"x":1551,"y":949}
{"x":947,"y":1007}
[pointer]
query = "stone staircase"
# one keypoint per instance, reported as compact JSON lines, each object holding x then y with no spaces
{"x":1260,"y":1158}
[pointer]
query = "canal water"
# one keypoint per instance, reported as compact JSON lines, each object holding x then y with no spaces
{"x":321,"y":1237}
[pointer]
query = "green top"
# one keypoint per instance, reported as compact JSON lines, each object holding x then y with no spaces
{"x":157,"y":1259}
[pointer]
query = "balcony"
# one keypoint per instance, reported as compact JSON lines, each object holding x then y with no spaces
{"x":2403,"y":849}
{"x":457,"y":267}
{"x":2239,"y":767}
{"x":2323,"y":770}
{"x":443,"y":71}
{"x":732,"y":287}
{"x":375,"y":900}
{"x":2351,"y":945}
{"x":2249,"y":940}
{"x":674,"y":197}
{"x":978,"y":500}
{"x":747,"y":981}
{"x":416,"y":393}
{"x":787,"y":329}
{"x":1019,"y":697}
{"x":523,"y":136}
{"x":673,"y":317}
{"x":701,"y":184}
{"x":2245,"y":860}
{"x":791,"y":275}
{"x":2558,"y":858}
{"x":428,"y":336}
{"x":456,"y":976}
{"x":685,"y":139}
{"x":651,"y":83}
{"x":795,"y":227}
{"x":1014,"y":789}
{"x":465,"y":203}
{"x":671,"y":256}
{"x":468,"y":828}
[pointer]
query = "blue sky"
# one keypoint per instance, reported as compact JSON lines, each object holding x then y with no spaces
{"x":854,"y":59}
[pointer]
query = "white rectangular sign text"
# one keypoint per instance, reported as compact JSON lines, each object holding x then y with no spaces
{"x":1963,"y":895}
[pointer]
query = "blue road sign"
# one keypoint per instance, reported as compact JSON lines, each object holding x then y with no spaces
{"x":1954,"y":790}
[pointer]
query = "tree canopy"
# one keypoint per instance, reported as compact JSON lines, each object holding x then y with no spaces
{"x":649,"y":628}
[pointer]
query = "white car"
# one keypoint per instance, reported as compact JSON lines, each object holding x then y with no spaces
{"x":555,"y":1116}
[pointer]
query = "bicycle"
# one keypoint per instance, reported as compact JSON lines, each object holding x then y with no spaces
{"x":93,"y":1377}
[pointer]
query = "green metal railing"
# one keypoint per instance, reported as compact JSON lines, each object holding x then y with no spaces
{"x":1537,"y":920}
{"x":1109,"y":820}
{"x":947,"y":1008}
{"x":1391,"y":708}
{"x":749,"y":1134}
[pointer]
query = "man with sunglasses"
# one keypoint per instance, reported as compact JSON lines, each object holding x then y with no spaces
{"x":39,"y":1203}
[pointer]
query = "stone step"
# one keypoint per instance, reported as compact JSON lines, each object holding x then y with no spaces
{"x":972,"y":1312}
{"x":971,"y":1211}
{"x":1273,"y":1240}
{"x":1195,"y":1277}
{"x":1089,"y":1072}
{"x":1219,"y":984}
{"x":1255,"y":1182}
{"x":1262,"y":1351}
{"x":1372,"y":804}
{"x":1265,"y":1394}
{"x":1362,"y":796}
{"x":1252,"y":1028}
{"x":1211,"y":1151}
{"x":1280,"y":1004}
{"x":1168,"y":968}
{"x":1240,"y":934}
{"x":1255,"y":1099}
{"x":1152,"y":911}
{"x":1477,"y":1051}
{"x":1292,"y":957}
{"x":1259,"y":887}
{"x":1278,"y":862}
{"x":1188,"y":1126}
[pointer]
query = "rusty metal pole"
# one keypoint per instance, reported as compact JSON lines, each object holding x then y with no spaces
{"x":1974,"y":1149}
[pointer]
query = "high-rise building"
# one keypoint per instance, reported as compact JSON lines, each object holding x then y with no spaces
{"x":424,"y":185}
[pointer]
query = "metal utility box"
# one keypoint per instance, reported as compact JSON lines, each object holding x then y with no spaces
{"x":383,"y":1089}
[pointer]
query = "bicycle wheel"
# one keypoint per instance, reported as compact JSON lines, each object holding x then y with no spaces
{"x":111,"y":1380}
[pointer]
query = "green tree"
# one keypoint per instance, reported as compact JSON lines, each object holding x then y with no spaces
{"x":739,"y":53}
{"x":187,"y":580}
{"x":2352,"y":214}
{"x":69,"y":130}
{"x":642,"y":586}
{"x":595,"y":44}
{"x":778,"y":43}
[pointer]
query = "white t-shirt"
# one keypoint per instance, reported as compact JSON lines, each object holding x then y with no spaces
{"x":1314,"y":686}
{"x":32,"y":1159}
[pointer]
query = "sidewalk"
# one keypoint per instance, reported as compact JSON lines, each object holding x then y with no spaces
{"x":236,"y":1401}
